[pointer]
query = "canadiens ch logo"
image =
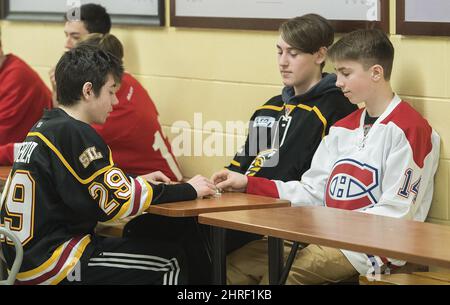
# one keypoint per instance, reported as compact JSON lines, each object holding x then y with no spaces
{"x":351,"y":185}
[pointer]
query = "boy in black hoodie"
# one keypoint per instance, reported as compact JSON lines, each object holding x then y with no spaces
{"x":285,"y":132}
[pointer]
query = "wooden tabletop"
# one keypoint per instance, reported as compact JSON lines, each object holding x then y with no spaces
{"x":404,"y":279}
{"x":224,"y":202}
{"x":4,"y":172}
{"x":422,"y":243}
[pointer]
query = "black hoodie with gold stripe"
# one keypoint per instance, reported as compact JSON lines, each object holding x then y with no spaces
{"x":285,"y":132}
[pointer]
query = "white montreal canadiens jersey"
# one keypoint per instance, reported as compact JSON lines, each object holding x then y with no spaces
{"x":388,"y":172}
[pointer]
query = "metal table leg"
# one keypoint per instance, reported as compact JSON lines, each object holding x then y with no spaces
{"x":219,"y":276}
{"x":275,"y":249}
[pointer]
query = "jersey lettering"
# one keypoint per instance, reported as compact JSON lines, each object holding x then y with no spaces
{"x":408,"y":186}
{"x":114,"y":181}
{"x":264,"y":121}
{"x":89,"y":155}
{"x":19,"y":206}
{"x":25,"y":151}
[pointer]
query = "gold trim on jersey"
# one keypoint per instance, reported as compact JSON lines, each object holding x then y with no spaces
{"x":289,"y":108}
{"x":67,"y":165}
{"x":76,"y":258}
{"x":63,"y":274}
{"x":123,"y":191}
{"x":9,"y":217}
{"x":122,"y":212}
{"x":235,"y":163}
{"x":304,"y":107}
{"x":318,"y":113}
{"x":148,"y":202}
{"x":276,"y":108}
{"x":127,"y":207}
{"x":48,"y":265}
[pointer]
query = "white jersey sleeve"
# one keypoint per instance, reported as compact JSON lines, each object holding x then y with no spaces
{"x":307,"y":192}
{"x":408,"y":180}
{"x":311,"y":189}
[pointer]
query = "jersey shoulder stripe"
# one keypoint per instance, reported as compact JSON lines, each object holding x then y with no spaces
{"x":275,"y":103}
{"x":416,"y":129}
{"x":66,"y":163}
{"x":319,"y":114}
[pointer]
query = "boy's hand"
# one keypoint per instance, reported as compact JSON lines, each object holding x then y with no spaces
{"x":156,"y":177}
{"x":203,"y":186}
{"x":230,"y":181}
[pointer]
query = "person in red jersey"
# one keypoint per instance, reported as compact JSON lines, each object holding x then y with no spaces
{"x":23,"y":97}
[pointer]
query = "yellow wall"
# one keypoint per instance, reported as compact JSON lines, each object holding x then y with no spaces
{"x":226,"y":74}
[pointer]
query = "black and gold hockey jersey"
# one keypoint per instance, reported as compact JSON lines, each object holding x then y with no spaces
{"x":285,"y":132}
{"x":62,"y":183}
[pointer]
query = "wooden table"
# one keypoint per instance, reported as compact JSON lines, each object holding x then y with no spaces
{"x":416,"y":242}
{"x":415,"y":278}
{"x":192,"y":208}
{"x":224,"y":202}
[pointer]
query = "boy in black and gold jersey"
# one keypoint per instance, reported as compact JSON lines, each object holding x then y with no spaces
{"x":285,"y":132}
{"x":64,"y":181}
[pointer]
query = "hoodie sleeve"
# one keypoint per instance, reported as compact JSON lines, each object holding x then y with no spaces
{"x":308,"y":191}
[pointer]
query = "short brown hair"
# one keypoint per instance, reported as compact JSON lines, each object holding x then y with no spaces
{"x":307,"y":33}
{"x":368,"y":47}
{"x":105,"y":42}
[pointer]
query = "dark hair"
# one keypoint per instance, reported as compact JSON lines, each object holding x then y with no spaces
{"x":368,"y":47}
{"x":106,"y":42}
{"x":307,"y":33}
{"x":94,"y":17}
{"x":84,"y":64}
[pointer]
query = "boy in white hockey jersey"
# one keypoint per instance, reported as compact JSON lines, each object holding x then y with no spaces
{"x":380,"y":159}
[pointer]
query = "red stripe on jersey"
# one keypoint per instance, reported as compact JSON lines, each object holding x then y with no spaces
{"x":137,"y":197}
{"x":416,"y":129}
{"x":350,"y":205}
{"x":61,"y":261}
{"x":389,"y":263}
{"x":351,"y":121}
{"x":361,"y":174}
{"x":384,"y":259}
{"x":262,"y":186}
{"x":394,"y":267}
